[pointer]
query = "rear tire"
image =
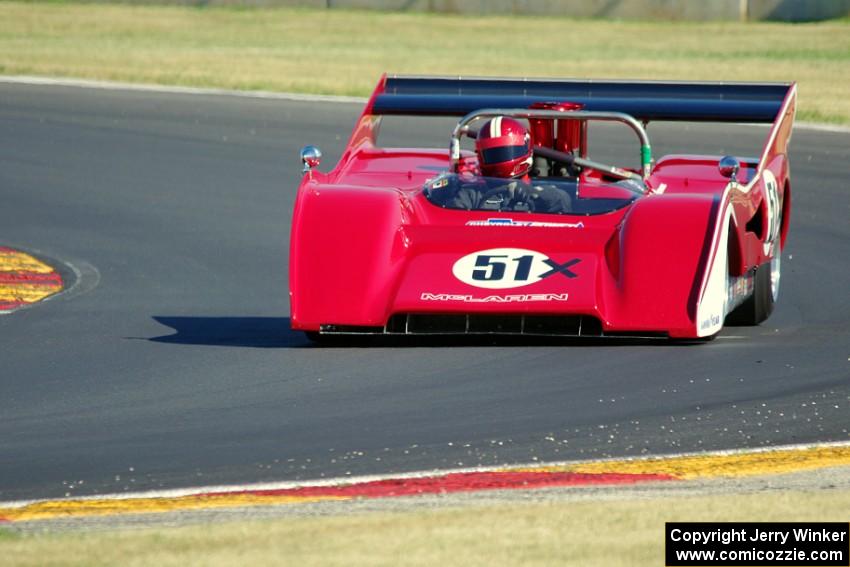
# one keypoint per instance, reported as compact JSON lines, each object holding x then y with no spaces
{"x":758,"y":307}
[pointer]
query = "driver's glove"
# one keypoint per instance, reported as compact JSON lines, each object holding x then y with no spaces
{"x":518,"y":191}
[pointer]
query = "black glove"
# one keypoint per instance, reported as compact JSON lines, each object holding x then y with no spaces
{"x":549,"y":199}
{"x":518,"y":192}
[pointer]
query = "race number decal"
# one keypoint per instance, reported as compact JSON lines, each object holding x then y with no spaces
{"x":501,"y":268}
{"x":771,"y":196}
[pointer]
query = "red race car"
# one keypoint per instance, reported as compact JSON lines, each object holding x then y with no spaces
{"x":528,"y":235}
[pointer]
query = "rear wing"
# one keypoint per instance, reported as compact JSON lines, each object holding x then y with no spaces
{"x":644,"y":100}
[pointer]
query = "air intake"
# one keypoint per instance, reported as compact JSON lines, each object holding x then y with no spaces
{"x":473,"y":324}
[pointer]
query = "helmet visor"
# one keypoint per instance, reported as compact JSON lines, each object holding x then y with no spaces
{"x":502,"y":154}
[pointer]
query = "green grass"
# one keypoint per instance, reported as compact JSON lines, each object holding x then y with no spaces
{"x":6,"y":535}
{"x":610,"y":532}
{"x":342,"y":52}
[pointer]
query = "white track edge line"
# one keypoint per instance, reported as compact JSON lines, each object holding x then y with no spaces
{"x":119,"y":86}
{"x":349,"y":480}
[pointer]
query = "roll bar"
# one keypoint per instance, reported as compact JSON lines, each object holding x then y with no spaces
{"x":463,"y":125}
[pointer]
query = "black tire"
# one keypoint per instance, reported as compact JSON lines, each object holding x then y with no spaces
{"x":319,"y":339}
{"x":315,"y":336}
{"x":758,"y":307}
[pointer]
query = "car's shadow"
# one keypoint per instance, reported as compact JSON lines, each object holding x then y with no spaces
{"x":275,"y":332}
{"x":255,"y":332}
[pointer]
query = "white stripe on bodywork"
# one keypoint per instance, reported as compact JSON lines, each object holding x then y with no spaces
{"x":711,"y":306}
{"x":792,"y":96}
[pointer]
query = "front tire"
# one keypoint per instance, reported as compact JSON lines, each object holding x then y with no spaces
{"x":315,"y":336}
{"x":319,"y":339}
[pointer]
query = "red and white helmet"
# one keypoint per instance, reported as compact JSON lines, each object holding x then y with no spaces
{"x":503,"y":146}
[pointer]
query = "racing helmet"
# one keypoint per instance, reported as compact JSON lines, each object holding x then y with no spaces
{"x":503,"y":146}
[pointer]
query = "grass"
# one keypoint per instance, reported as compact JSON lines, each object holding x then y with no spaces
{"x":6,"y":534}
{"x":342,"y":52}
{"x":629,"y":531}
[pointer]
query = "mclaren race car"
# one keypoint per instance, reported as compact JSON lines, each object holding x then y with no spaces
{"x":527,"y":234}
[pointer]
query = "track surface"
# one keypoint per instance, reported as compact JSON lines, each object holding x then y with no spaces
{"x":170,"y":363}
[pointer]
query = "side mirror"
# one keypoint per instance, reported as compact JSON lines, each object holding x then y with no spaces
{"x":311,"y":157}
{"x":728,"y":167}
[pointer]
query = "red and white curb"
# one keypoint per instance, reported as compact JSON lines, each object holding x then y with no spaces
{"x":612,"y":472}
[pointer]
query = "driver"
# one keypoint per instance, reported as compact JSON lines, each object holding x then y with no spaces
{"x":503,"y":146}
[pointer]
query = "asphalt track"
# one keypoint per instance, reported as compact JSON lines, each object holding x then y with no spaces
{"x":170,"y":363}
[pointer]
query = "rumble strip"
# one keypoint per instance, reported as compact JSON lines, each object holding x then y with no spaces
{"x":569,"y":474}
{"x":24,"y":280}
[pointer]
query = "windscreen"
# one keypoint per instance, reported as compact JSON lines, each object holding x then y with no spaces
{"x":561,"y":196}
